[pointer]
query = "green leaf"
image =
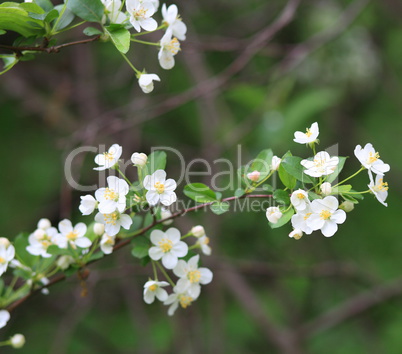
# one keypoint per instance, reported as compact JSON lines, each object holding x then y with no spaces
{"x":45,"y":5}
{"x":291,"y":164}
{"x":120,"y":37}
{"x":15,"y":18}
{"x":341,"y":189}
{"x":200,"y":193}
{"x":140,"y":247}
{"x":96,"y":256}
{"x":9,"y":61}
{"x":313,"y":196}
{"x":53,"y":249}
{"x":282,"y":196}
{"x":156,"y":161}
{"x":268,"y":188}
{"x":20,"y":244}
{"x":88,"y":10}
{"x":239,"y":192}
{"x":284,"y":219}
{"x":262,"y":163}
{"x":66,"y":18}
{"x":91,"y":31}
{"x":220,"y":207}
{"x":52,"y":15}
{"x":2,"y":32}
{"x":137,"y":221}
{"x":330,"y":178}
{"x":350,"y":198}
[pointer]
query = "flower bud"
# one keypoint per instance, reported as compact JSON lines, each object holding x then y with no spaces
{"x":198,"y":231}
{"x":64,"y":262}
{"x":326,"y":188}
{"x":17,"y":341}
{"x":296,"y":234}
{"x":4,"y":242}
{"x":166,"y":213}
{"x":44,"y":224}
{"x":146,"y":82}
{"x":39,"y":234}
{"x":254,"y":176}
{"x":139,"y":159}
{"x":99,"y":229}
{"x":347,"y":205}
{"x":273,"y":214}
{"x":276,"y":161}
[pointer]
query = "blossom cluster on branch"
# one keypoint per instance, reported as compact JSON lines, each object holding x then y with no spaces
{"x":137,"y":214}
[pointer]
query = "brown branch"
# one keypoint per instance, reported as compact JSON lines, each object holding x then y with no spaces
{"x":49,"y":50}
{"x":121,"y":244}
{"x":352,"y":307}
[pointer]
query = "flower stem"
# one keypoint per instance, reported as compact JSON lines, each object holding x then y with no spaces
{"x":346,"y":179}
{"x":130,"y":64}
{"x":166,"y":275}
{"x":123,"y":175}
{"x":154,"y":270}
{"x":146,"y":32}
{"x":144,"y":42}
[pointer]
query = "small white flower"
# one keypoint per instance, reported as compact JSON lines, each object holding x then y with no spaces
{"x":191,"y":277}
{"x":326,"y":216}
{"x":203,"y":242}
{"x":4,"y":317}
{"x":254,"y":176}
{"x":107,"y":242}
{"x":310,"y":136}
{"x":370,"y":159}
{"x":175,"y":24}
{"x":299,"y":199}
{"x":88,"y":204}
{"x":168,"y":247}
{"x":99,"y":229}
{"x":64,"y":262}
{"x":44,"y":224}
{"x":40,"y":240}
{"x":113,"y":197}
{"x":169,"y":48}
{"x":72,"y":235}
{"x":273,"y":214}
{"x":146,"y":82}
{"x":7,"y":253}
{"x":112,"y":10}
{"x":379,"y":188}
{"x":184,"y":299}
{"x":166,"y":213}
{"x":114,"y":221}
{"x":160,"y":189}
{"x":140,"y":15}
{"x":108,"y":159}
{"x":4,"y":242}
{"x":198,"y":231}
{"x":276,"y":161}
{"x":296,"y":234}
{"x":326,"y":188}
{"x":322,"y":165}
{"x":299,"y":220}
{"x":139,"y":159}
{"x":17,"y":341}
{"x":152,"y":289}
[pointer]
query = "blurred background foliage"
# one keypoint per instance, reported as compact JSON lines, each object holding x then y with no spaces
{"x":337,"y":62}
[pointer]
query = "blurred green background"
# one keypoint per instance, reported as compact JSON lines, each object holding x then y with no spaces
{"x":337,"y":63}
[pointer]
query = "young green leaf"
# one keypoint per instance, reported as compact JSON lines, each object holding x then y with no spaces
{"x":140,"y":247}
{"x":120,"y":37}
{"x":66,"y":18}
{"x":330,"y":178}
{"x":291,"y":164}
{"x":156,"y":161}
{"x":220,"y":208}
{"x":88,"y":10}
{"x":200,"y":193}
{"x":91,"y":31}
{"x":282,"y":196}
{"x":262,"y":163}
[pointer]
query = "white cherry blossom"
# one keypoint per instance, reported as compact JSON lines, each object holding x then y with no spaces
{"x":113,"y":13}
{"x":299,"y":199}
{"x":140,"y":15}
{"x":167,"y":246}
{"x":7,"y":253}
{"x":160,"y":189}
{"x":106,"y":243}
{"x":275,"y":163}
{"x":273,"y":214}
{"x":169,"y":48}
{"x":108,"y":159}
{"x":323,"y":164}
{"x":114,"y":221}
{"x":198,"y":231}
{"x":296,"y":234}
{"x":146,"y":82}
{"x":40,"y":240}
{"x":326,"y":216}
{"x":326,"y":188}
{"x":254,"y":176}
{"x":4,"y":317}
{"x":379,"y":189}
{"x":299,"y":220}
{"x":73,"y":235}
{"x":176,"y":299}
{"x":370,"y":159}
{"x":154,"y":288}
{"x":175,"y":24}
{"x":310,"y":136}
{"x":203,"y":242}
{"x":17,"y":341}
{"x":139,"y":159}
{"x":113,"y":197}
{"x":44,"y":224}
{"x":191,"y":277}
{"x":88,"y":204}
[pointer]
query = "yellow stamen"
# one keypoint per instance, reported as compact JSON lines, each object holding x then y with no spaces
{"x":46,"y":243}
{"x":300,"y":195}
{"x":2,"y":260}
{"x":110,"y":194}
{"x":308,"y":132}
{"x":72,"y":236}
{"x":166,"y":245}
{"x":373,"y":157}
{"x":111,"y":218}
{"x":160,"y":187}
{"x":206,"y":240}
{"x":185,"y":301}
{"x":173,"y":46}
{"x":325,"y":214}
{"x":194,"y":276}
{"x":153,"y":287}
{"x":108,"y":156}
{"x":381,"y":186}
{"x":307,"y":216}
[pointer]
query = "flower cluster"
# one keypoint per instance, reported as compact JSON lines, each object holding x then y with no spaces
{"x":315,"y":207}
